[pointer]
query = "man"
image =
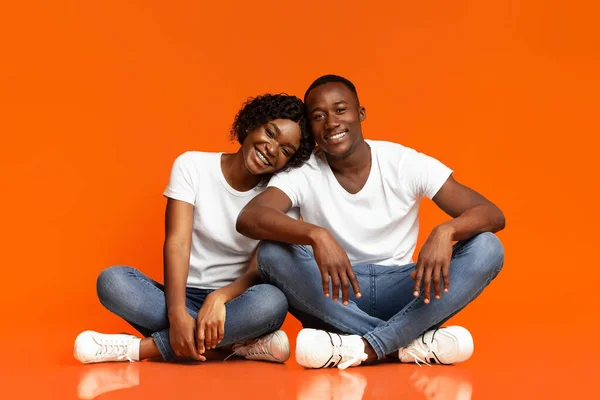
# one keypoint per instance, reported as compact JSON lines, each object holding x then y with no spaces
{"x":359,"y":201}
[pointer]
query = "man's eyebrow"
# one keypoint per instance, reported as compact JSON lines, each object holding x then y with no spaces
{"x":336,"y":103}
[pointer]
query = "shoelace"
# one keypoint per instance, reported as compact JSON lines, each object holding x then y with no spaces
{"x":418,"y":350}
{"x":258,"y":349}
{"x":250,"y":348}
{"x":108,"y":348}
{"x":350,"y":353}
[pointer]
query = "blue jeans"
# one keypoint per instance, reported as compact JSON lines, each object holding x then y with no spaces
{"x":387,"y":315}
{"x":141,"y":301}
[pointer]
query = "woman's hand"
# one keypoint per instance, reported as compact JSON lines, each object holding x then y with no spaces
{"x":181,"y":335}
{"x":210,"y":324}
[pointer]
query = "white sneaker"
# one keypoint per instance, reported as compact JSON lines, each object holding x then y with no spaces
{"x":273,"y":346}
{"x":321,"y":349}
{"x":449,"y":345}
{"x":94,"y":347}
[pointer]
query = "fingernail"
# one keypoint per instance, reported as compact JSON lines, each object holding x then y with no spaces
{"x":437,"y":297}
{"x":415,"y":293}
{"x":426,"y":301}
{"x":446,"y":290}
{"x":345,"y":303}
{"x":358,"y":294}
{"x":326,"y":294}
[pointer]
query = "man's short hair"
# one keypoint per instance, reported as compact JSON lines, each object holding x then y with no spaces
{"x":331,"y":78}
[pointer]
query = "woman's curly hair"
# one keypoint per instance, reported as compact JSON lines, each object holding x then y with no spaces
{"x":259,"y":110}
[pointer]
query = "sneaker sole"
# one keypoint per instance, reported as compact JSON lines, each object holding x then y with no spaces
{"x":82,"y":337}
{"x":283,"y":338}
{"x":463,"y":338}
{"x":303,"y":340}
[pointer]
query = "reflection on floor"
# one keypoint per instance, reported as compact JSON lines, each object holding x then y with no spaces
{"x":435,"y":383}
{"x":538,"y":370}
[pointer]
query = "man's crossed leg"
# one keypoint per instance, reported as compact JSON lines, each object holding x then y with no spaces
{"x":387,"y":320}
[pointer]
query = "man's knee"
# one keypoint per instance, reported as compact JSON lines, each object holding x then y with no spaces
{"x":110,"y":284}
{"x":489,"y":252}
{"x":270,"y":255}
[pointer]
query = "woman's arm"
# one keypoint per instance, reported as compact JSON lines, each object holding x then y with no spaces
{"x":176,"y":253}
{"x":210,"y":324}
{"x":179,"y":218}
{"x":250,"y":278}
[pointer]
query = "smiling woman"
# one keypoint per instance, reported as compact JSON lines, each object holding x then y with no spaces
{"x":211,"y":297}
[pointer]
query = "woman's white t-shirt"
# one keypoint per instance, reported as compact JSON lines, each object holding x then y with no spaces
{"x":219,"y":254}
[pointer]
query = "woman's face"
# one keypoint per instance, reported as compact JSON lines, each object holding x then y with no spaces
{"x":269,"y":147}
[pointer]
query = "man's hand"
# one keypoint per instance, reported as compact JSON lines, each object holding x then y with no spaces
{"x":210,"y":324}
{"x":434,"y":258}
{"x":181,"y":335}
{"x":333,"y":262}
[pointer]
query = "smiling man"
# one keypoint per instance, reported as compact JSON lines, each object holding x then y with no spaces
{"x":359,"y":200}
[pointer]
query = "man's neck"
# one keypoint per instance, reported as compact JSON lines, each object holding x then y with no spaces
{"x":358,"y":159}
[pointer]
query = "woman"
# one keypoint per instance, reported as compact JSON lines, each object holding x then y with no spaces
{"x":211,"y":297}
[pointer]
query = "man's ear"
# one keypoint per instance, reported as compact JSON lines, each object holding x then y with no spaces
{"x":362,"y":113}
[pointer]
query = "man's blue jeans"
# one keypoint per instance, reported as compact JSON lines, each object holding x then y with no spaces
{"x":141,"y":301}
{"x":387,"y":314}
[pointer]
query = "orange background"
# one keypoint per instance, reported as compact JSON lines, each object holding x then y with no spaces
{"x":98,"y":99}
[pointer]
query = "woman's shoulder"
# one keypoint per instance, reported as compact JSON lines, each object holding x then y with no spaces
{"x":312,"y":166}
{"x":193,"y":158}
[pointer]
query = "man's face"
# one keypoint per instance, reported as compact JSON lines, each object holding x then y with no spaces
{"x":335,"y":117}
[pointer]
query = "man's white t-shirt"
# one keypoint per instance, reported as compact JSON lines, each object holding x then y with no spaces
{"x":219,"y":254}
{"x":379,"y":224}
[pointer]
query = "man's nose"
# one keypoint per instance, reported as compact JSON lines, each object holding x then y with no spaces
{"x":331,"y":122}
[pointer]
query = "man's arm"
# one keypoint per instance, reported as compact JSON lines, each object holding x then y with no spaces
{"x":472,"y":214}
{"x":265,"y":218}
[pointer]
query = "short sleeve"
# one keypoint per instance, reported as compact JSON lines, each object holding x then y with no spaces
{"x":183,"y":180}
{"x":424,"y":175}
{"x":293,"y":183}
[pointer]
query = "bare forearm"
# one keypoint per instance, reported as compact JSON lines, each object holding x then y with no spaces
{"x":482,"y":218}
{"x":266,"y":223}
{"x":237,"y":287}
{"x":176,"y":268}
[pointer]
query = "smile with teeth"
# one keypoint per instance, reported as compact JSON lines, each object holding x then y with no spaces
{"x":261,"y":157}
{"x":337,"y":136}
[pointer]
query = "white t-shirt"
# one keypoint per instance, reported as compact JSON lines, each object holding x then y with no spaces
{"x":379,"y":224}
{"x":219,"y":254}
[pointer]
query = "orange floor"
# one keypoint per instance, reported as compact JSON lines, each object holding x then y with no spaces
{"x":506,"y":365}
